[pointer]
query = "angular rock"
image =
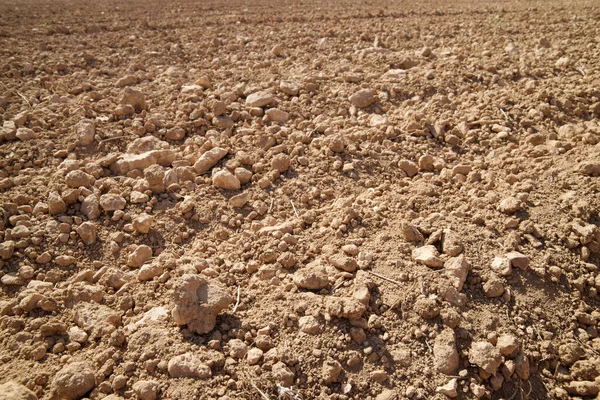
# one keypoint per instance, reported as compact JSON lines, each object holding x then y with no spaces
{"x":139,"y":256}
{"x":502,"y":266}
{"x":343,"y":262}
{"x":134,"y":98}
{"x":197,"y":303}
{"x":445,"y":354}
{"x":209,"y":159}
{"x":411,"y":233}
{"x":56,"y":205}
{"x":259,"y":99}
{"x":312,"y":277}
{"x":493,"y":287}
{"x":363,"y":98}
{"x":344,"y":307}
{"x":79,"y":178}
{"x":451,"y":243}
{"x":7,"y":249}
{"x":112,"y":202}
{"x":486,"y":356}
{"x":457,"y":269}
{"x":73,"y":381}
{"x":146,"y":390}
{"x":12,"y":390}
{"x":90,"y":207}
{"x":281,"y":162}
{"x":87,"y":232}
{"x":509,"y":205}
{"x":86,"y":131}
{"x":427,"y":255}
{"x":224,"y":179}
{"x":330,"y":370}
{"x":409,"y":167}
{"x":188,"y":365}
{"x":276,"y":115}
{"x":507,"y":345}
{"x":518,"y":260}
{"x":309,"y":324}
{"x":95,"y":319}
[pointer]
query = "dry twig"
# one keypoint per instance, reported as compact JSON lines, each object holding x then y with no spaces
{"x":385,"y":278}
{"x":237,"y":302}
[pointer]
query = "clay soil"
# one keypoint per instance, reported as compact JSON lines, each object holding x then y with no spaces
{"x":299,"y":200}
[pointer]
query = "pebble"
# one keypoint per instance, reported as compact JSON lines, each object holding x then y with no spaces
{"x":509,"y":205}
{"x":457,"y":269}
{"x":77,"y":178}
{"x":87,"y":232}
{"x":363,"y":98}
{"x":486,"y":356}
{"x":73,"y":381}
{"x":449,"y":389}
{"x":139,"y":256}
{"x":313,"y":277}
{"x":276,"y":115}
{"x":224,"y":179}
{"x":507,"y":345}
{"x":502,"y":266}
{"x":188,"y":366}
{"x":112,"y":202}
{"x":25,"y":134}
{"x":330,"y":371}
{"x":493,"y":287}
{"x":343,"y":262}
{"x":427,"y":255}
{"x":254,"y":356}
{"x":90,"y":207}
{"x":259,"y":99}
{"x":12,"y":390}
{"x":309,"y":324}
{"x":143,"y":222}
{"x":146,"y":390}
{"x":411,"y":233}
{"x":518,"y":260}
{"x":134,"y":98}
{"x":209,"y":159}
{"x":445,"y":354}
{"x":281,"y":162}
{"x":86,"y":131}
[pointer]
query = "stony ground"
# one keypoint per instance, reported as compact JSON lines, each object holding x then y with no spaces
{"x":331,"y":200}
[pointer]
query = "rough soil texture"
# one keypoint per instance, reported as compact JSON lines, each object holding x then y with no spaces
{"x":332,"y":200}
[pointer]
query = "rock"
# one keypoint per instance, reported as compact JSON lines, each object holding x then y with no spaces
{"x":134,"y":98}
{"x":312,"y":277}
{"x":451,"y":243}
{"x":87,"y":232}
{"x":90,"y":207}
{"x":146,"y":390}
{"x":486,"y":356}
{"x":86,"y":131}
{"x":25,"y":134}
{"x":239,"y":200}
{"x":224,"y":179}
{"x":276,"y":115}
{"x":12,"y":279}
{"x":65,"y":261}
{"x":387,"y":394}
{"x":237,"y":348}
{"x":282,"y":374}
{"x":502,"y":266}
{"x":289,"y":88}
{"x":330,"y":370}
{"x":363,"y":98}
{"x":309,"y":324}
{"x":78,"y":178}
{"x":445,"y":355}
{"x":583,"y":388}
{"x":197,"y":303}
{"x":281,"y":162}
{"x":509,"y":205}
{"x":209,"y":159}
{"x":95,"y":319}
{"x":139,"y":256}
{"x":518,"y":260}
{"x":409,"y":167}
{"x":56,"y":205}
{"x":7,"y":249}
{"x":449,"y":389}
{"x":344,"y":307}
{"x":411,"y":233}
{"x":590,"y":168}
{"x":563,"y":62}
{"x":426,"y":307}
{"x":427,"y":255}
{"x":188,"y":366}
{"x":20,"y":232}
{"x":73,"y":381}
{"x":259,"y":99}
{"x":112,"y":202}
{"x":522,"y":366}
{"x":343,"y":262}
{"x":569,"y":353}
{"x":149,"y":271}
{"x":493,"y":287}
{"x":457,"y":269}
{"x":12,"y":390}
{"x":254,"y":356}
{"x":143,"y":222}
{"x":507,"y":345}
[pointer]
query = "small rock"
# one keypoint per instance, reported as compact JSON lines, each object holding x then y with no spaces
{"x":451,"y":243}
{"x":509,"y":205}
{"x":276,"y":115}
{"x":90,"y":207}
{"x":254,"y":356}
{"x":259,"y":99}
{"x":12,"y":390}
{"x":486,"y":356}
{"x":289,"y":88}
{"x":188,"y":366}
{"x":387,"y":394}
{"x":56,"y":205}
{"x":224,"y":179}
{"x":507,"y":345}
{"x":149,"y":271}
{"x":343,"y":262}
{"x":134,"y":98}
{"x":86,"y":131}
{"x":73,"y":381}
{"x":78,"y":178}
{"x":146,"y":390}
{"x":457,"y":269}
{"x":409,"y":167}
{"x":313,"y":277}
{"x":426,"y":307}
{"x":502,"y":266}
{"x":281,"y":162}
{"x":239,"y":200}
{"x":583,"y":388}
{"x":139,"y":256}
{"x":493,"y":287}
{"x":445,"y":355}
{"x":309,"y":324}
{"x":237,"y":348}
{"x":209,"y":159}
{"x":142,"y":223}
{"x":87,"y":232}
{"x":112,"y":202}
{"x":7,"y":249}
{"x":411,"y":233}
{"x":569,"y":353}
{"x":518,"y":260}
{"x":64,"y":260}
{"x":378,"y":375}
{"x":363,"y":98}
{"x":330,"y":370}
{"x":427,"y":255}
{"x":449,"y":389}
{"x":25,"y":134}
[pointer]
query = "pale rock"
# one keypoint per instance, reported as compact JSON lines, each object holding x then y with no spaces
{"x":112,"y":202}
{"x":87,"y":232}
{"x":259,"y":99}
{"x":224,"y":179}
{"x":451,"y":243}
{"x":95,"y":319}
{"x":12,"y":279}
{"x":344,"y":307}
{"x":77,"y":178}
{"x":309,"y":324}
{"x":56,"y":204}
{"x":209,"y":159}
{"x":394,"y":75}
{"x":197,"y":303}
{"x":20,"y":232}
{"x":363,"y":98}
{"x":445,"y":354}
{"x":277,"y":115}
{"x":239,"y":200}
{"x":449,"y":389}
{"x":136,"y":197}
{"x":282,"y":374}
{"x":502,"y":266}
{"x":12,"y":390}
{"x":73,"y":381}
{"x":411,"y":233}
{"x":243,"y":175}
{"x":486,"y":356}
{"x":143,"y":222}
{"x":134,"y":98}
{"x":583,"y":388}
{"x":149,"y":271}
{"x":343,"y":262}
{"x":146,"y":390}
{"x":518,"y":260}
{"x":289,"y":88}
{"x":409,"y":167}
{"x":563,"y":62}
{"x":493,"y":287}
{"x":7,"y":249}
{"x":139,"y":256}
{"x":387,"y":394}
{"x":457,"y":269}
{"x":427,"y":255}
{"x":64,"y":260}
{"x":312,"y":277}
{"x":330,"y":370}
{"x":254,"y":356}
{"x":237,"y":348}
{"x":25,"y":134}
{"x":509,"y":205}
{"x":281,"y":162}
{"x":86,"y":131}
{"x":507,"y":345}
{"x":77,"y":334}
{"x":188,"y":365}
{"x":90,"y":207}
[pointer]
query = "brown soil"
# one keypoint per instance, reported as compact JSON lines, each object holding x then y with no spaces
{"x":333,"y":200}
